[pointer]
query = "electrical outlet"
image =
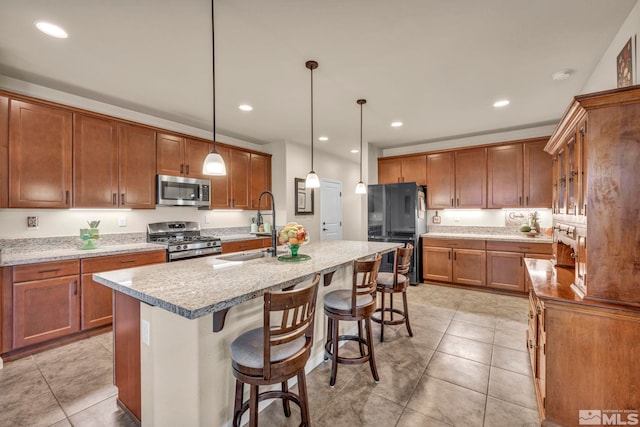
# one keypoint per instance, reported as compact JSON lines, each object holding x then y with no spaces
{"x":145,"y":332}
{"x":32,"y":222}
{"x":122,"y":221}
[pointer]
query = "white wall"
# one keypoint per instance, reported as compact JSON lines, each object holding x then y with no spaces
{"x":604,"y":76}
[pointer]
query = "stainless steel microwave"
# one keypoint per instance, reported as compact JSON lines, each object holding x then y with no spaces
{"x":181,"y":191}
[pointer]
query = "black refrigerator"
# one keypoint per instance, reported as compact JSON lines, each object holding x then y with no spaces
{"x":398,"y":213}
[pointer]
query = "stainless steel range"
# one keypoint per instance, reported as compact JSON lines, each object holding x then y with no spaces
{"x":183,"y":239}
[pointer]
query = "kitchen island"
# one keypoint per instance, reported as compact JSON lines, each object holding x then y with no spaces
{"x":185,"y":375}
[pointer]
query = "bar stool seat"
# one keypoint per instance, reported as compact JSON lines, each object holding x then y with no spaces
{"x":394,"y":283}
{"x":276,"y":352}
{"x":356,"y":304}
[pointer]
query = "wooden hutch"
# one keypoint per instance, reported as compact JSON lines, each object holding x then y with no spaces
{"x":584,"y":318}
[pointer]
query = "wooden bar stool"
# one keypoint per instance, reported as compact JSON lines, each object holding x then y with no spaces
{"x":276,"y":352}
{"x":395,"y":283}
{"x":355,"y":304}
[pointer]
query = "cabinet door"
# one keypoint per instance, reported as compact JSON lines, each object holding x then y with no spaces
{"x":260,"y":180}
{"x":440,"y":180}
{"x":4,"y":152}
{"x":505,"y":270}
{"x":96,"y":303}
{"x":389,"y":171}
{"x":437,"y":264}
{"x":572,"y":175}
{"x":40,"y":155}
{"x":239,"y":178}
{"x":45,"y":309}
{"x":538,"y":183}
{"x":137,"y":167}
{"x":469,"y":267}
{"x":582,"y":169}
{"x":414,"y":169}
{"x":471,"y":178}
{"x":195,"y":152}
{"x":220,"y":187}
{"x":170,"y":150}
{"x":504,"y":176}
{"x":95,"y":162}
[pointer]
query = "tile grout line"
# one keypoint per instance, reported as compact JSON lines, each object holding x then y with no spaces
{"x":44,"y":378}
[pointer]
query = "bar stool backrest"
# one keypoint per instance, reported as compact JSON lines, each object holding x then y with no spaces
{"x":365,"y":275}
{"x":297,"y":308}
{"x":403,"y":260}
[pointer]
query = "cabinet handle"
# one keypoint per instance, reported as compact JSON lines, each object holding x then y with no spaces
{"x":520,"y":261}
{"x":530,"y":314}
{"x":127,"y":261}
{"x":52,"y":270}
{"x":538,"y":311}
{"x":115,"y":199}
{"x":449,"y":254}
{"x":451,"y":201}
{"x":181,"y":168}
{"x":75,"y":287}
{"x":520,"y":201}
{"x":187,"y":169}
{"x":66,"y":197}
{"x":584,"y":209}
{"x":458,"y":202}
{"x":122,"y":199}
{"x":527,"y":200}
{"x":455,"y":256}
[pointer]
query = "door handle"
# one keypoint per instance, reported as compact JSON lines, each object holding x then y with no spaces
{"x":324,"y":229}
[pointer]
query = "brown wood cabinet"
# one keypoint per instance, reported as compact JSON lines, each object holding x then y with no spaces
{"x":245,"y":245}
{"x":575,"y":343}
{"x":96,"y":300}
{"x":126,"y":353}
{"x":40,"y":154}
{"x":505,"y":263}
{"x":260,"y":180}
{"x":457,"y":179}
{"x":454,"y":261}
{"x":239,"y":171}
{"x":519,"y":175}
{"x":220,"y":188}
{"x":46,"y":302}
{"x":113,"y":163}
{"x":181,"y":156}
{"x":95,"y":162}
{"x":412,"y":168}
{"x":4,"y":152}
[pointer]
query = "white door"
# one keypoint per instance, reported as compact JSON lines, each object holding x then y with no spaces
{"x":330,"y":210}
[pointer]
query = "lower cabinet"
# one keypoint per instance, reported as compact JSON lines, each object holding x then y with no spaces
{"x":245,"y":245}
{"x":505,"y":263}
{"x":96,"y":299}
{"x":454,"y":261}
{"x":46,"y":302}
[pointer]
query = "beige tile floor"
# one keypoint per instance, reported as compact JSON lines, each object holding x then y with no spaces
{"x":465,"y":366}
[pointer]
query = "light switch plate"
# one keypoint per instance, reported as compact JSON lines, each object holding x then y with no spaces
{"x":122,"y":221}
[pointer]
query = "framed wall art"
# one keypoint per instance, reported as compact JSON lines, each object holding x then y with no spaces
{"x":303,"y":198}
{"x":625,"y":63}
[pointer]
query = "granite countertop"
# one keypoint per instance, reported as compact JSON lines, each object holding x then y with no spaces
{"x":523,"y":238}
{"x":196,"y":287}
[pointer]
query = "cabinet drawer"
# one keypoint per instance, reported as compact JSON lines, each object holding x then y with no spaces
{"x":116,"y":262}
{"x":454,"y":243}
{"x":538,"y":248}
{"x":242,"y":245}
{"x":45,"y":270}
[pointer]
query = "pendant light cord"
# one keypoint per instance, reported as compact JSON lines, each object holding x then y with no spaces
{"x":312,"y":119}
{"x":213,"y":69}
{"x":361,"y":104}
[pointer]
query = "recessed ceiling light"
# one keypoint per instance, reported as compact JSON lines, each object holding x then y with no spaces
{"x":245,"y":107}
{"x":51,"y":30}
{"x":561,"y":75}
{"x":396,"y":124}
{"x":323,"y":138}
{"x":501,"y":103}
{"x":354,"y":151}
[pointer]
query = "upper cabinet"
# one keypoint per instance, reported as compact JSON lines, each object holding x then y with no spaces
{"x":403,"y":169}
{"x":519,"y":175}
{"x":457,"y":179}
{"x":113,"y":164}
{"x":260,"y":180}
{"x":180,"y":156}
{"x":40,"y":153}
{"x":220,"y":195}
{"x":4,"y":151}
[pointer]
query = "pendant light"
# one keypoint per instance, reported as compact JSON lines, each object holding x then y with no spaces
{"x":213,"y":163}
{"x":312,"y":180}
{"x":361,"y":188}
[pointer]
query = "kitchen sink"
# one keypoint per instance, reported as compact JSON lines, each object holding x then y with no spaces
{"x":246,"y":256}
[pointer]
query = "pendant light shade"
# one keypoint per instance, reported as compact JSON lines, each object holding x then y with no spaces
{"x":312,"y":180}
{"x":361,"y":188}
{"x":213,"y":163}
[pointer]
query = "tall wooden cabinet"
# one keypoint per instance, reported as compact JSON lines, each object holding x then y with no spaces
{"x":40,"y":150}
{"x":260,"y":180}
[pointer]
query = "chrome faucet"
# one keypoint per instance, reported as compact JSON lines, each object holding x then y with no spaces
{"x":274,"y":234}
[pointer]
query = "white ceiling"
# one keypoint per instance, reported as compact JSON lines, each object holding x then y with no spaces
{"x":436,"y":65}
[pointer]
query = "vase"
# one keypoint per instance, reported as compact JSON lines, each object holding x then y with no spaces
{"x":294,"y":249}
